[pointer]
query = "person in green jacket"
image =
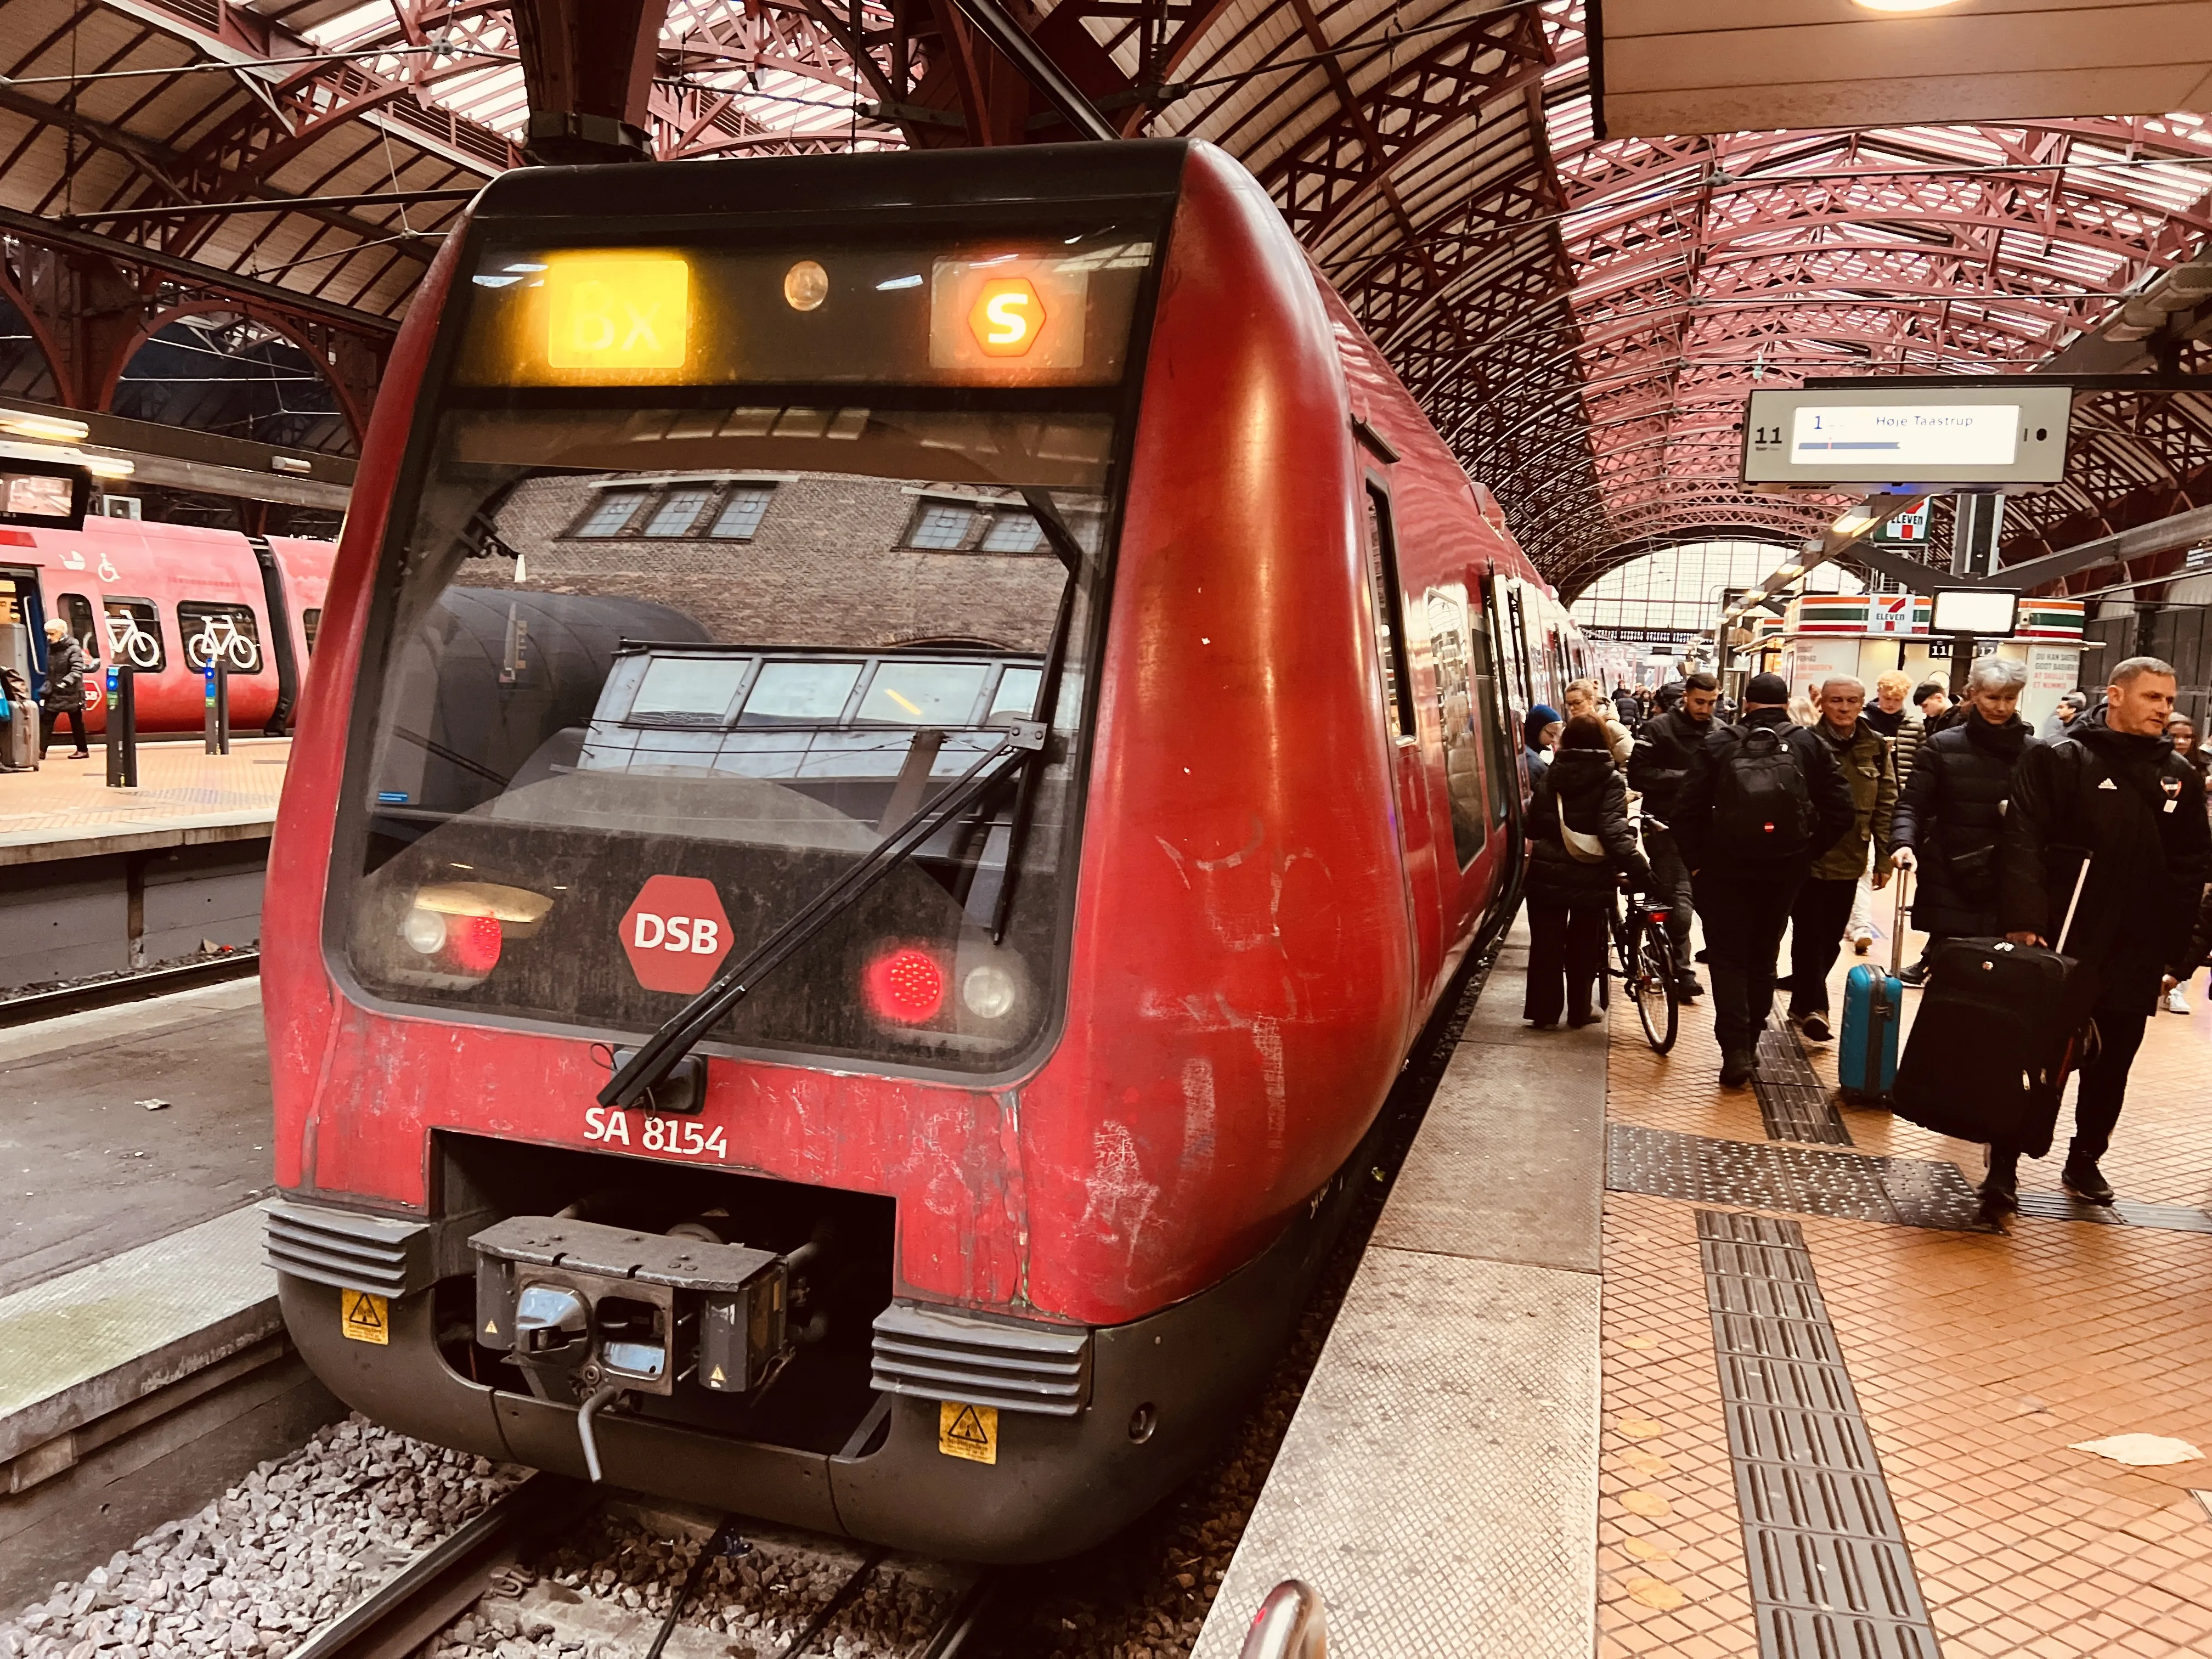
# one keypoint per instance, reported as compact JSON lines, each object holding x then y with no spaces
{"x":1823,"y":907}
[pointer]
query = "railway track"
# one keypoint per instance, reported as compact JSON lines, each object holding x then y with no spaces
{"x":128,"y":987}
{"x":506,"y":1565}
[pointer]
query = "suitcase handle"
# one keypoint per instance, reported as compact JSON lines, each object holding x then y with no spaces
{"x":1897,"y":931}
{"x":2066,"y":929}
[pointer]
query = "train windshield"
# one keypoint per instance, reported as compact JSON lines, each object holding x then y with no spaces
{"x":667,"y":660}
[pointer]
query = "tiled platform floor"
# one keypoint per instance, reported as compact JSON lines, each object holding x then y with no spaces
{"x":178,"y":783}
{"x":1978,"y":1361}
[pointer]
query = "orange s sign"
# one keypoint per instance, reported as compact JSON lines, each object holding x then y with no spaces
{"x":1007,"y":317}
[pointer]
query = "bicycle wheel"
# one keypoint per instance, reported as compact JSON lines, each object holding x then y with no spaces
{"x":1658,"y":1003}
{"x":245,"y":655}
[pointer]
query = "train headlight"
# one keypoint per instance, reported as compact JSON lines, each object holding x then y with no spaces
{"x":989,"y":991}
{"x":424,"y":931}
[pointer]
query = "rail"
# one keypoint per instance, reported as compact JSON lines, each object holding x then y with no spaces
{"x":1292,"y":1624}
{"x":128,"y":987}
{"x":432,"y":1591}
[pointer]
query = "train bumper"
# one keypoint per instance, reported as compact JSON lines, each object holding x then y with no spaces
{"x":1163,"y":1390}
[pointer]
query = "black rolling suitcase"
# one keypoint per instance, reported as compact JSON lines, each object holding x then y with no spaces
{"x":1998,"y":1028}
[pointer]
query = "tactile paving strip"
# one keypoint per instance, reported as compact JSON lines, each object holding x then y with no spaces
{"x":1903,"y":1191}
{"x":2125,"y":1212}
{"x":1830,"y":1575}
{"x":1792,"y":1099}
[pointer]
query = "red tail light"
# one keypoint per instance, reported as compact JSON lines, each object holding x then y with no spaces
{"x":906,"y":985}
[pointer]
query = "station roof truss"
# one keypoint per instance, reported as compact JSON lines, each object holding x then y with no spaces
{"x":1581,"y":317}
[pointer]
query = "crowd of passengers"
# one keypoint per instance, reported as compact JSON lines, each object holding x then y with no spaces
{"x":1785,"y":815}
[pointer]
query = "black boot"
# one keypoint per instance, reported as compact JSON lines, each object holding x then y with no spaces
{"x":1736,"y":1065}
{"x":2084,"y":1180}
{"x":2000,"y":1194}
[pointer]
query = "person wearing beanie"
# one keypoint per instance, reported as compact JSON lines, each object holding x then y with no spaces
{"x":1763,"y":799}
{"x":1534,"y":748}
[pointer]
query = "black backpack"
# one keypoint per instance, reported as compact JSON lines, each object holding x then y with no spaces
{"x":1762,"y":808}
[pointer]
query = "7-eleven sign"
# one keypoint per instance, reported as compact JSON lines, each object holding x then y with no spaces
{"x":1889,"y":613}
{"x":1904,"y":527}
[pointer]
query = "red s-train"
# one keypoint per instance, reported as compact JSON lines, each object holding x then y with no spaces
{"x":961,"y":684}
{"x":163,"y":599}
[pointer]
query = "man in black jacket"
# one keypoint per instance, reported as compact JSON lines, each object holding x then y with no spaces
{"x":1949,"y":815}
{"x":1748,"y":843}
{"x":1664,"y":746}
{"x":2114,"y":791}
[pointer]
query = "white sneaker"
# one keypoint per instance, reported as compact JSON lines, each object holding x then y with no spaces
{"x":1861,"y":939}
{"x":2175,"y":1002}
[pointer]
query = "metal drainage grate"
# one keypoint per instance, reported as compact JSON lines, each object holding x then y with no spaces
{"x":1829,"y":1571}
{"x":1792,"y":1099}
{"x":1903,"y":1191}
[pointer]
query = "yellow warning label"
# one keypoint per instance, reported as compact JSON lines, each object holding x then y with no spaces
{"x":969,"y":1432}
{"x":718,"y":1379}
{"x":365,"y":1316}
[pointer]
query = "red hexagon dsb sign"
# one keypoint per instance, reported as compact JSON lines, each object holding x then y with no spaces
{"x":676,"y":933}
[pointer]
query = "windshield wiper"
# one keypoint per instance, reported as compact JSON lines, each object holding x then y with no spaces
{"x":1025,"y":749}
{"x":662,"y":1052}
{"x":1063,"y":541}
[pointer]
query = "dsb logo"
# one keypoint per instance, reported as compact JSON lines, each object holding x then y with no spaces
{"x":676,"y":934}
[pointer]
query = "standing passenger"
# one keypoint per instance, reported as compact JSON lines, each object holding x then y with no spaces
{"x":1762,"y":801}
{"x":2055,"y":724}
{"x":66,"y":667}
{"x":1588,"y":697}
{"x":1824,"y":904}
{"x":1946,"y":824}
{"x":1534,"y":749}
{"x":1664,"y":748}
{"x":2113,"y":792}
{"x":1579,"y":839}
{"x":1929,"y":704}
{"x":1889,"y":713}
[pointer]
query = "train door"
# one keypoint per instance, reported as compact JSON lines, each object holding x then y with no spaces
{"x":76,"y":608}
{"x":1517,"y":692}
{"x":1401,"y":720}
{"x":23,"y":625}
{"x":1473,"y":778}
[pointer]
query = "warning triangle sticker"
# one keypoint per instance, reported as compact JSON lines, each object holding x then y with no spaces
{"x":968,"y":1428}
{"x":362,"y":1310}
{"x":718,"y":1377}
{"x":491,"y":1327}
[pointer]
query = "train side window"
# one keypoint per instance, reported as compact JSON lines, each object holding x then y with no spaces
{"x":1390,"y":613}
{"x":76,"y":611}
{"x":225,"y":632}
{"x":311,"y":623}
{"x":134,"y":635}
{"x":1460,"y":712}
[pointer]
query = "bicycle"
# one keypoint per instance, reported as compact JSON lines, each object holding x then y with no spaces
{"x":1643,"y":960}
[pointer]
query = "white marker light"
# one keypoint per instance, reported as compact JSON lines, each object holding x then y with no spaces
{"x":989,"y":992}
{"x":424,"y":931}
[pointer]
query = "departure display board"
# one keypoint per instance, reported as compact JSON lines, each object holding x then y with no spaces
{"x":1054,"y":313}
{"x":1933,"y":435}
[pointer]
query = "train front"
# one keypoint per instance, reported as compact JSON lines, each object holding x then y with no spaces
{"x":677,"y":883}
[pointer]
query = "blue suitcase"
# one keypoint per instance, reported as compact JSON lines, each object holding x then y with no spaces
{"x":1874,"y":1011}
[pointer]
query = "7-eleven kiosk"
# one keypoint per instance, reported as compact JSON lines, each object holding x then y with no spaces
{"x":1868,"y":635}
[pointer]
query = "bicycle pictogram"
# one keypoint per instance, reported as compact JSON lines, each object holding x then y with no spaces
{"x":127,"y":642}
{"x":220,"y":637}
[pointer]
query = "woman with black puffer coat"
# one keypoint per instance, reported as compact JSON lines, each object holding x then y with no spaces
{"x":1580,"y":844}
{"x":1947,"y":822}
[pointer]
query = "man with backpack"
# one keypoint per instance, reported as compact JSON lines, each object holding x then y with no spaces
{"x":1762,"y":800}
{"x":1823,"y":909}
{"x":2111,"y":790}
